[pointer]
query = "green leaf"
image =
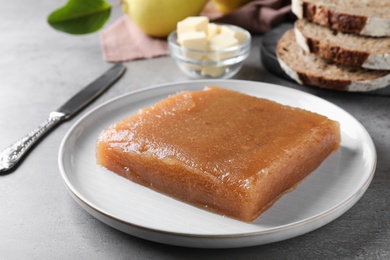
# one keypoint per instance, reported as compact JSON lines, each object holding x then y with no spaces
{"x":80,"y":16}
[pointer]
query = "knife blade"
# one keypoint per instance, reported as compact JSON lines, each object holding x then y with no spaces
{"x":12,"y":155}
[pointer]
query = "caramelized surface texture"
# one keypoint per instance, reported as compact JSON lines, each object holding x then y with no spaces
{"x":218,"y":149}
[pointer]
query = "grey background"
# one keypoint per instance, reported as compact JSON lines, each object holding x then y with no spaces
{"x":41,"y":68}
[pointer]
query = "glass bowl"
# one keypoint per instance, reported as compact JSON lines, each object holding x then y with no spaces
{"x":207,"y":64}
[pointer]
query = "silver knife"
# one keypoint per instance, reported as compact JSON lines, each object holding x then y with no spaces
{"x":12,"y":155}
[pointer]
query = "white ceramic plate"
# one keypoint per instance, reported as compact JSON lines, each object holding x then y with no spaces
{"x":322,"y":197}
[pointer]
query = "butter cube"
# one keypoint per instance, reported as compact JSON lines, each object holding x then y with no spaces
{"x":192,"y":23}
{"x":197,"y":36}
{"x":239,"y":35}
{"x":222,"y":41}
{"x":194,"y":41}
{"x":212,"y":71}
{"x":212,"y":30}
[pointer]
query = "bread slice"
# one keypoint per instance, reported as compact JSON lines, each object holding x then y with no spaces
{"x":364,"y":17}
{"x":218,"y":149}
{"x":347,"y":49}
{"x":310,"y":69}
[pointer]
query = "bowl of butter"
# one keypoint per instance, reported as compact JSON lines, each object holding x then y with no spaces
{"x":203,"y":49}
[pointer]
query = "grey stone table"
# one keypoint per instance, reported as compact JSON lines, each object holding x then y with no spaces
{"x":40,"y":68}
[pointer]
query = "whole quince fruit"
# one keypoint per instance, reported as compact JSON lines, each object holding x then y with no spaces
{"x":227,"y":6}
{"x":159,"y":17}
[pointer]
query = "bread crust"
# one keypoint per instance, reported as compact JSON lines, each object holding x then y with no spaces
{"x":343,"y":19}
{"x":320,"y":81}
{"x":322,"y":15}
{"x":339,"y":51}
{"x":291,"y":57}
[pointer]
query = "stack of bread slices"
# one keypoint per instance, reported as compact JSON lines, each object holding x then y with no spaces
{"x":341,"y":45}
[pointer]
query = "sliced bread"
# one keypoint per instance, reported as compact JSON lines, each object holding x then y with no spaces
{"x":310,"y":69}
{"x":365,"y":17}
{"x":343,"y":48}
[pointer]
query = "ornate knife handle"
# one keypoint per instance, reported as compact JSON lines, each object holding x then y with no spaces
{"x":11,"y":155}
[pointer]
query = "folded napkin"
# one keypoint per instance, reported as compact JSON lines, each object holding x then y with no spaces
{"x":124,"y":41}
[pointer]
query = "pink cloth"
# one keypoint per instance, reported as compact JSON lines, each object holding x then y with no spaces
{"x":124,"y":41}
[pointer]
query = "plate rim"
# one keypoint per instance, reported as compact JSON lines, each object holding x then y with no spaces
{"x":351,"y":200}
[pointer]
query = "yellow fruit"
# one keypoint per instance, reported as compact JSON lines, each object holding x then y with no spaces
{"x":159,"y":17}
{"x":227,"y":6}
